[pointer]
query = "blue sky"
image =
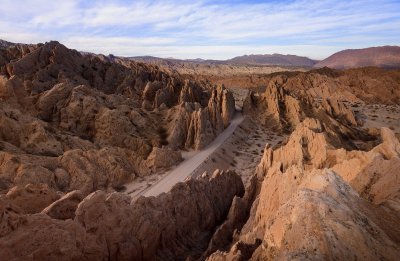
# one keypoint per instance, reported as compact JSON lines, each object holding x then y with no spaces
{"x":203,"y":29}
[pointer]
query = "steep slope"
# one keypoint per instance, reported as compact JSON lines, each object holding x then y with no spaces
{"x":384,"y":56}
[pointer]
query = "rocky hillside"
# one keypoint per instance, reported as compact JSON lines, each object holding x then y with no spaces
{"x":70,"y":121}
{"x":5,"y":44}
{"x":110,"y":227}
{"x":330,"y":191}
{"x":314,"y":201}
{"x":274,"y":59}
{"x":75,"y":128}
{"x":384,"y":56}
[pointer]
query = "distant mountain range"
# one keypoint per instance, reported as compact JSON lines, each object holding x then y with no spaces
{"x":273,"y":59}
{"x":384,"y":56}
{"x":254,"y":59}
{"x":158,"y":60}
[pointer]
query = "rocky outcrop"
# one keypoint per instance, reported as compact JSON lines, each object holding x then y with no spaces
{"x":101,"y":169}
{"x":288,"y":101}
{"x":76,"y":169}
{"x":290,"y":97}
{"x":195,"y":126}
{"x":32,"y":198}
{"x":64,"y":208}
{"x":5,"y":44}
{"x":275,"y":106}
{"x":161,"y":158}
{"x":339,"y":110}
{"x":227,"y":106}
{"x":319,"y":202}
{"x":237,"y":217}
{"x":322,"y":218}
{"x":89,"y":122}
{"x":108,"y":226}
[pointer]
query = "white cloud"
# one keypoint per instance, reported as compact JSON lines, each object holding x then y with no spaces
{"x":202,"y":28}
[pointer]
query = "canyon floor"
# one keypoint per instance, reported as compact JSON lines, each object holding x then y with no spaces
{"x":242,"y":150}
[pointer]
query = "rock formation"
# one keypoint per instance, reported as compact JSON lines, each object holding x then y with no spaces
{"x":85,"y":122}
{"x":199,"y":126}
{"x":109,"y":226}
{"x":318,"y":202}
{"x":330,"y":191}
{"x":76,"y":128}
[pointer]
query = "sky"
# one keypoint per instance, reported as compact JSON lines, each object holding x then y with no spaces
{"x":203,"y":29}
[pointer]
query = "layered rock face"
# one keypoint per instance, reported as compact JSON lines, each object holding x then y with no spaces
{"x":89,"y":122}
{"x":173,"y":226}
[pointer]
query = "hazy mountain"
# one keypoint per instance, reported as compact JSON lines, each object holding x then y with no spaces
{"x":273,"y":59}
{"x":384,"y":56}
{"x":158,"y":60}
{"x":265,"y":59}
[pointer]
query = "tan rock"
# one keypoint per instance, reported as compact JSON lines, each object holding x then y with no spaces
{"x":195,"y":127}
{"x":11,"y":217}
{"x":51,"y":98}
{"x":32,"y":198}
{"x":161,"y":158}
{"x":32,"y":174}
{"x":100,"y":169}
{"x":62,"y":178}
{"x":107,"y":226}
{"x":339,"y":109}
{"x":304,"y":210}
{"x":64,"y":208}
